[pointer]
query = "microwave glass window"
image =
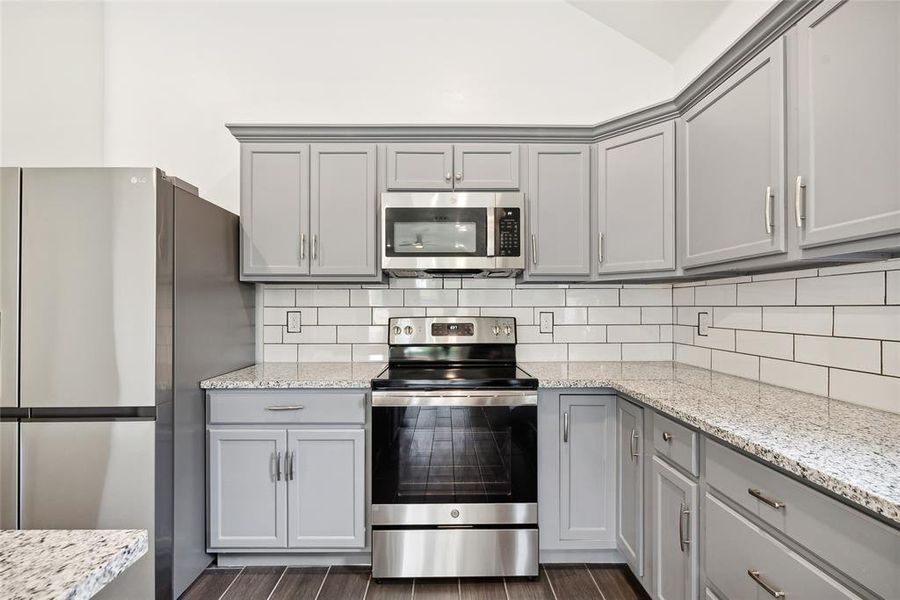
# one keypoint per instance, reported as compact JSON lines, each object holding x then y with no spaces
{"x":412,"y":237}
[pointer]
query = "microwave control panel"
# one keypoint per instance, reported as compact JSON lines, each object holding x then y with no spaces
{"x":507,"y":234}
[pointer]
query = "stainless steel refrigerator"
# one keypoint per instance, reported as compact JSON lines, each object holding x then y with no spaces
{"x":119,"y":292}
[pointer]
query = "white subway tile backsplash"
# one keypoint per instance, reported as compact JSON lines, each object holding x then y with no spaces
{"x":484,"y":298}
{"x":416,"y":283}
{"x":687,"y":315}
{"x":324,"y":353}
{"x":893,"y":287}
{"x":274,"y":316}
{"x":280,"y":353}
{"x":632,"y":333}
{"x":767,"y":293}
{"x":579,"y":333}
{"x":592,"y":297}
{"x":541,"y":297}
{"x":564,"y":316}
{"x":814,"y":320}
{"x":890,"y":358}
{"x":362,"y":334}
{"x":272,"y":334}
{"x":737,"y":317}
{"x":523,"y":316}
{"x":376,"y":297}
{"x":345,"y":316}
{"x":370,"y":353}
{"x":452,"y":311}
{"x":785,"y":275}
{"x":380,"y":316}
{"x":693,"y":355}
{"x":741,"y":365}
{"x":683,"y":334}
{"x":860,"y":288}
{"x":541,"y":352}
{"x":723,"y":339}
{"x":654,"y":315}
{"x":531,"y":334}
{"x":683,"y":296}
{"x":761,"y":343}
{"x":646,"y":351}
{"x":716,"y":295}
{"x":485,"y":283}
{"x":312,"y":334}
{"x":875,"y":322}
{"x":323,"y":297}
{"x":846,"y":353}
{"x":452,"y":283}
{"x":595,"y":352}
{"x":666,"y":333}
{"x":648,"y":296}
{"x":615,"y":315}
{"x":273,"y":296}
{"x":429,"y":297}
{"x":875,"y":391}
{"x":797,"y":376}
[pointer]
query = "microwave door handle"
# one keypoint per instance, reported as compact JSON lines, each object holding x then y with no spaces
{"x":491,"y":237}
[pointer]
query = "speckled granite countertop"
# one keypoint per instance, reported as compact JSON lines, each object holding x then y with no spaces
{"x":297,"y":375}
{"x":849,"y":450}
{"x":75,"y":564}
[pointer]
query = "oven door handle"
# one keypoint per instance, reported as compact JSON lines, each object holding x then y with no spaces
{"x":447,"y":398}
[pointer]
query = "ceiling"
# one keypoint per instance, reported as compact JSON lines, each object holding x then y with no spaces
{"x":664,"y":27}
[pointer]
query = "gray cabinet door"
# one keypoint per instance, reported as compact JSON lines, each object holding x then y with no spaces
{"x":274,"y":209}
{"x":486,"y":166}
{"x":343,"y":206}
{"x":630,"y":484}
{"x":326,"y":488}
{"x":559,"y":227}
{"x":247,"y":490}
{"x":419,"y":166}
{"x":636,"y":201}
{"x":587,"y":467}
{"x":848,"y":122}
{"x":674,"y":510}
{"x":731,"y":166}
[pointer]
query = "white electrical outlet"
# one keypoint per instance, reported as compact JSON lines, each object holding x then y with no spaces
{"x":546,"y":322}
{"x":703,"y":323}
{"x":294,"y":321}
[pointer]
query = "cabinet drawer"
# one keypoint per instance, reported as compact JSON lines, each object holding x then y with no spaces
{"x":863,"y":548}
{"x":285,"y":406}
{"x":676,"y":442}
{"x":744,"y":562}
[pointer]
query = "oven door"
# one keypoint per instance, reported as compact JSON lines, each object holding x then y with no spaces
{"x":438,"y":231}
{"x":459,"y":458}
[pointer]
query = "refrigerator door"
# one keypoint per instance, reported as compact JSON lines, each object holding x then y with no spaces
{"x":88,"y":287}
{"x":92,"y":475}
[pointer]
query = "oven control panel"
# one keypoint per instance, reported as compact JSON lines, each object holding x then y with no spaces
{"x":451,"y":330}
{"x":507,"y":234}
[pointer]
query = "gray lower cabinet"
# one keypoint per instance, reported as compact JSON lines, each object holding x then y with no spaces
{"x":558,"y":232}
{"x":247,"y":494}
{"x":274,"y":209}
{"x":848,"y":90}
{"x":326,"y":491}
{"x":448,"y":166}
{"x":674,"y":502}
{"x":343,"y":222}
{"x":630,"y":485}
{"x":731,"y":174}
{"x":635,"y":209}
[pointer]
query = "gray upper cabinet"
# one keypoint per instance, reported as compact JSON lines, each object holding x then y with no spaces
{"x":848,"y":183}
{"x":731,"y":154}
{"x":326,"y":488}
{"x":674,"y":512}
{"x":630,"y":485}
{"x":343,"y":207}
{"x":419,"y":166}
{"x":247,"y":494}
{"x":559,"y":211}
{"x":274,"y":209}
{"x":586,"y":468}
{"x":636,"y":201}
{"x":486,"y":166}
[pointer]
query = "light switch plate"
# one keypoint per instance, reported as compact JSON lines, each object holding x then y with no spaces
{"x":294,"y":321}
{"x":546,"y":322}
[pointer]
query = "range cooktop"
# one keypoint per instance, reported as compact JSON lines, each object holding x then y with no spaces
{"x":450,"y":376}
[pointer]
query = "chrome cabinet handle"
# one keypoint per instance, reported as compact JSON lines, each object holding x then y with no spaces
{"x":667,"y":437}
{"x":758,"y":494}
{"x":302,"y":246}
{"x":288,"y":465}
{"x":315,"y":249}
{"x":634,"y":440}
{"x":757,"y":577}
{"x":684,"y":514}
{"x":769,"y":210}
{"x":533,"y":250}
{"x":600,"y":247}
{"x":459,"y":175}
{"x":448,"y":176}
{"x":285,"y":407}
{"x":798,"y":200}
{"x":278,"y":466}
{"x":566,"y":427}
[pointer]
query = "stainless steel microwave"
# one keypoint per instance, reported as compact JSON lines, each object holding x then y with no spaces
{"x":449,"y":232}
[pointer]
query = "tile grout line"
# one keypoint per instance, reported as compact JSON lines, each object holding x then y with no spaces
{"x":232,"y":582}
{"x":283,"y":572}
{"x":321,"y":585}
{"x":597,"y":585}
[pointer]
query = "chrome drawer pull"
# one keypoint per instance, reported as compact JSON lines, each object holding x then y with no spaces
{"x":684,"y":514}
{"x":566,"y":427}
{"x":285,"y":407}
{"x":667,"y":437}
{"x":755,"y":576}
{"x":634,"y":446}
{"x":278,"y":466}
{"x":770,"y":501}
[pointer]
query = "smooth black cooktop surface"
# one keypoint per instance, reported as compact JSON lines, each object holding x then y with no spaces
{"x":450,"y":376}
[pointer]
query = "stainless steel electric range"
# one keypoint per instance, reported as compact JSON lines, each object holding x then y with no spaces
{"x":454,"y":442}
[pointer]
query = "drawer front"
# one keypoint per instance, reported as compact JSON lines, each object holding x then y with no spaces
{"x":861,"y":547}
{"x":744,"y":562}
{"x":676,"y":442}
{"x":286,"y":407}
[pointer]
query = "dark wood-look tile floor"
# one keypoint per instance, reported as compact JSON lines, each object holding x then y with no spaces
{"x":556,"y":582}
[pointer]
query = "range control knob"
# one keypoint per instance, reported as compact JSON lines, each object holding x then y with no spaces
{"x":496,"y":330}
{"x":408,"y":330}
{"x":396,"y":329}
{"x":454,"y":513}
{"x":507,"y":330}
